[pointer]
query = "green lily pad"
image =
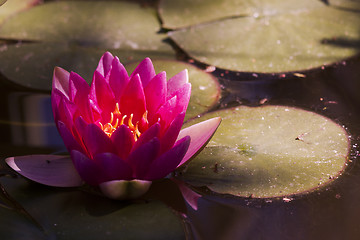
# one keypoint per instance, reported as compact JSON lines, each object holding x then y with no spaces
{"x":205,"y":89}
{"x":269,"y":151}
{"x":32,"y":65}
{"x":179,"y":14}
{"x":128,"y":29}
{"x":103,"y":24}
{"x":14,"y":6}
{"x":78,"y":215}
{"x":282,"y":42}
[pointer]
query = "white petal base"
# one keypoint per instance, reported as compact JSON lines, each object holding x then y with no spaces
{"x":124,"y":189}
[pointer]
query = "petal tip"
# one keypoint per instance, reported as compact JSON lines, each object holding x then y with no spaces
{"x":60,"y":79}
{"x":186,"y":75}
{"x":10,"y":161}
{"x":200,"y":134}
{"x":107,"y":54}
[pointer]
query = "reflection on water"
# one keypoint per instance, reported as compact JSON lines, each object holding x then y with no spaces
{"x":26,"y":122}
{"x":31,"y":120}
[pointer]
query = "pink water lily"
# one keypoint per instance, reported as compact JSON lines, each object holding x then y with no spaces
{"x":120,"y":130}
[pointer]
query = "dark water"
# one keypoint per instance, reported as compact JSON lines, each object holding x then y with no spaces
{"x":331,"y":212}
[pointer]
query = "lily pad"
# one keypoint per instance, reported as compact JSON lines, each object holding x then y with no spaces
{"x":14,"y":6}
{"x":103,"y":24}
{"x":205,"y":89}
{"x":78,"y":215}
{"x":179,"y":14}
{"x":269,"y":151}
{"x":32,"y":65}
{"x":126,"y":27}
{"x":282,"y":42}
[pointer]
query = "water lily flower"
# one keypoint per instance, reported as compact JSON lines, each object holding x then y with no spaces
{"x":122,"y":132}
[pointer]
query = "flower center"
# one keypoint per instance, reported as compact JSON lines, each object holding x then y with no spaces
{"x":117,"y":119}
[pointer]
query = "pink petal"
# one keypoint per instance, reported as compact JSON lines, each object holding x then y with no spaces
{"x":69,"y":139}
{"x":77,"y":86}
{"x":177,"y":81}
{"x":78,"y":132}
{"x":168,"y":161}
{"x":171,"y":134}
{"x":95,"y":110}
{"x":89,"y":170}
{"x":146,"y":71}
{"x":102,"y":93}
{"x":200,"y":134}
{"x":104,"y":65}
{"x":133,"y":99}
{"x":142,"y":157}
{"x":118,"y":78}
{"x":114,"y":167}
{"x":66,"y":111}
{"x":56,"y":98}
{"x":61,"y":81}
{"x":148,"y":135}
{"x":183,"y":97}
{"x":85,"y":110}
{"x":80,"y":125}
{"x":155,"y":93}
{"x":166,"y":113}
{"x":79,"y":94}
{"x":123,"y":140}
{"x":183,"y":89}
{"x":51,"y":170}
{"x":96,"y":141}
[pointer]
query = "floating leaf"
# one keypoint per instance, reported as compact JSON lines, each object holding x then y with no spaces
{"x":269,"y":151}
{"x":14,"y":6}
{"x":102,"y":24}
{"x":32,"y":65}
{"x":78,"y":215}
{"x":179,"y":14}
{"x":127,"y":27}
{"x":282,"y":42}
{"x":205,"y":89}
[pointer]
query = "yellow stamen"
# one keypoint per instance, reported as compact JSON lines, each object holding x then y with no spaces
{"x":138,"y":133}
{"x":145,"y":117}
{"x":117,"y":109}
{"x":116,"y":123}
{"x":130,"y":124}
{"x":122,"y":120}
{"x":111,"y":117}
{"x":117,"y":119}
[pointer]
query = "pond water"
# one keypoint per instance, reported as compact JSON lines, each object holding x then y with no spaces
{"x":173,"y":209}
{"x":330,"y":212}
